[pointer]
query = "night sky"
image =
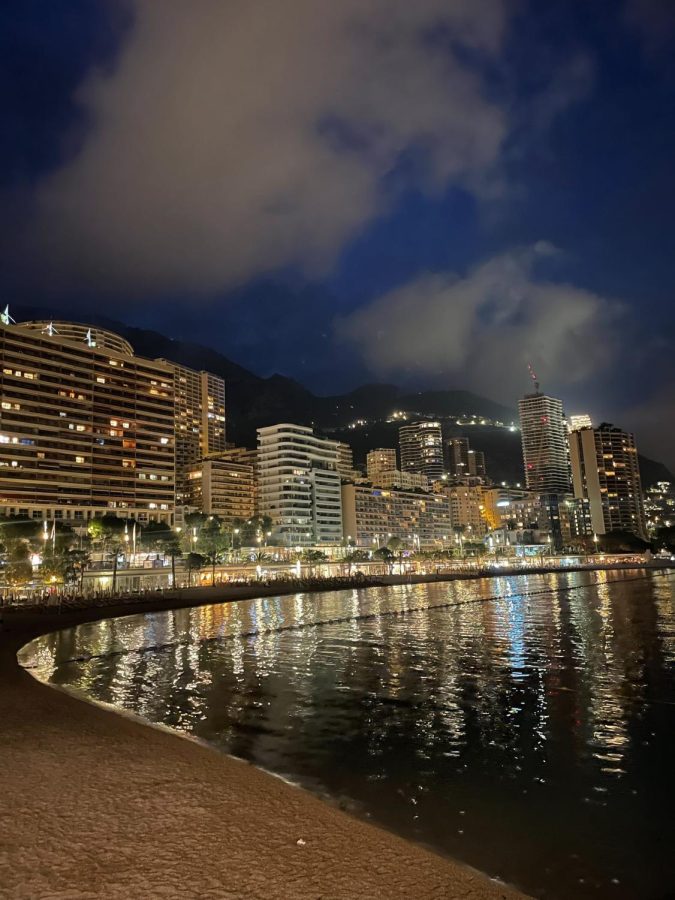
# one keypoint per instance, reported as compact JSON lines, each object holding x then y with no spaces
{"x":432,"y":194}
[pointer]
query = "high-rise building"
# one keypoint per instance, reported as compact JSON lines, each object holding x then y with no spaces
{"x":200,"y":422}
{"x":466,"y":508}
{"x":378,"y":461}
{"x":545,"y":449}
{"x":299,"y":485}
{"x":583,"y":420}
{"x":462,"y":461}
{"x":421,"y":446}
{"x":86,"y":427}
{"x":223,"y":485}
{"x":372,"y":516}
{"x":345,"y":464}
{"x":605,"y":472}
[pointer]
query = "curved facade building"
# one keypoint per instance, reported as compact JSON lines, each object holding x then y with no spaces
{"x":83,"y":334}
{"x":86,"y":427}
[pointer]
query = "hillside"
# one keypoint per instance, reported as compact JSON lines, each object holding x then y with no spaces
{"x":253,"y":401}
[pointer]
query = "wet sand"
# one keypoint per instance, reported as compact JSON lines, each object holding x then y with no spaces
{"x":96,"y":804}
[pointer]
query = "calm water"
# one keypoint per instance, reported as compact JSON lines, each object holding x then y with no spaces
{"x":531,"y":735}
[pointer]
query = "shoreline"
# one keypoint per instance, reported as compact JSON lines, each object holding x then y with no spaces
{"x":103,"y":804}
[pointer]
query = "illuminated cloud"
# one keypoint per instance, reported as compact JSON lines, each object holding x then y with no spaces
{"x":484,"y":328}
{"x":235,"y":138}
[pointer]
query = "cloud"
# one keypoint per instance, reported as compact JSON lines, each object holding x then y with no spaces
{"x":654,"y":23}
{"x":235,"y":137}
{"x":484,"y":328}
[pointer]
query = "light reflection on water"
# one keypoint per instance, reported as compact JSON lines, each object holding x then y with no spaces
{"x":529,"y":734}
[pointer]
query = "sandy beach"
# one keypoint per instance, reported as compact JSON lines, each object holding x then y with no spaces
{"x":95,"y":804}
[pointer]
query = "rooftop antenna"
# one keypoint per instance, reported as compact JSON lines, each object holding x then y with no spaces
{"x":6,"y":318}
{"x":533,"y":376}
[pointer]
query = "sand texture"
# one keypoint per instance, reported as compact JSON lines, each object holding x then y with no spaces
{"x":95,"y":804}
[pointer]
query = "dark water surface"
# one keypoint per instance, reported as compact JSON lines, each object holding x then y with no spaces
{"x":531,"y":735}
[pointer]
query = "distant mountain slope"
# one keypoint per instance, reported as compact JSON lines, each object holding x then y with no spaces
{"x":253,"y":401}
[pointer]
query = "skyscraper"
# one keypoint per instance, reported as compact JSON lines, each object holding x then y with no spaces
{"x":545,"y":448}
{"x":605,"y":472}
{"x":421,"y":446}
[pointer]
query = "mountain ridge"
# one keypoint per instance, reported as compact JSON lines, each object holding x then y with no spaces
{"x":254,"y":401}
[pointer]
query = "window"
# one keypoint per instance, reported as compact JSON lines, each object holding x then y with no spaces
{"x":79,"y":459}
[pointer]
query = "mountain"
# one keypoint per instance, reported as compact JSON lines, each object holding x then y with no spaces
{"x":253,"y":401}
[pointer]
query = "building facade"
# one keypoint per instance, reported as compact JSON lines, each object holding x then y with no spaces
{"x":545,"y":448}
{"x":605,"y":472}
{"x":299,"y":485}
{"x":223,"y":485}
{"x":378,"y":461}
{"x":582,"y":420}
{"x":86,"y":427}
{"x":200,"y":422}
{"x":462,"y":461}
{"x":421,"y":448}
{"x":372,"y":516}
{"x":466,"y":509}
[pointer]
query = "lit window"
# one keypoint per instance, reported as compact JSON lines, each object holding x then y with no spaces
{"x":79,"y":459}
{"x":164,"y":440}
{"x":101,"y":379}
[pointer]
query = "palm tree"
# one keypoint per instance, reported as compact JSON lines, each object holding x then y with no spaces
{"x":171,"y":547}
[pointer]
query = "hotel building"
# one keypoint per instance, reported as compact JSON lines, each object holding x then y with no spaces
{"x":605,"y":472}
{"x":299,"y":485}
{"x":86,"y":427}
{"x":372,"y":516}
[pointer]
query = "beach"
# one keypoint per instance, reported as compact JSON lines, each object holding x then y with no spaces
{"x":97,"y":804}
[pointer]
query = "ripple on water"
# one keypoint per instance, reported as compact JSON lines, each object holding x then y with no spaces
{"x":521,"y":723}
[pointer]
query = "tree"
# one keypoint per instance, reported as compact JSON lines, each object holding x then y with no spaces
{"x":171,"y":547}
{"x":312,"y":558}
{"x":212,"y":541}
{"x":459,"y":531}
{"x":19,"y":567}
{"x":353,"y":556}
{"x":195,"y":561}
{"x":386,"y":555}
{"x":397,"y":547}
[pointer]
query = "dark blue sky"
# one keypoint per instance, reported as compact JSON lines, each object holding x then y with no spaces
{"x":379,"y":229}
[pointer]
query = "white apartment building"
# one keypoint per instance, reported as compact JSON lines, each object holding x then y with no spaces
{"x":299,"y":485}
